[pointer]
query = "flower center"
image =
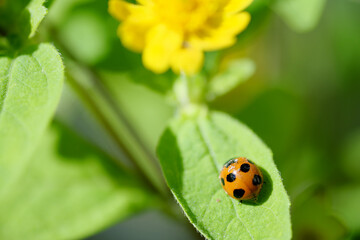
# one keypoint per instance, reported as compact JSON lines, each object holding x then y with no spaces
{"x":188,"y":16}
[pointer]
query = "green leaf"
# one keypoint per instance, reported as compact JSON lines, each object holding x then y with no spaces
{"x":300,"y":15}
{"x":69,"y":191}
{"x":235,"y":73}
{"x":21,"y":18}
{"x":37,"y":12}
{"x":192,"y":153}
{"x":30,"y":88}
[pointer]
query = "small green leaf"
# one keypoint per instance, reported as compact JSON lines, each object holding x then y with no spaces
{"x":70,"y":190}
{"x":192,"y":153}
{"x":30,"y":88}
{"x":236,"y":72}
{"x":37,"y":12}
{"x":21,"y":18}
{"x":301,"y":15}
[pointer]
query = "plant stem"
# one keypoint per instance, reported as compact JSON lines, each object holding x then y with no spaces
{"x":169,"y":207}
{"x":96,"y":102}
{"x":185,"y":98}
{"x":95,"y":110}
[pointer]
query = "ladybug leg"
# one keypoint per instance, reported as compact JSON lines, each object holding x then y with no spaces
{"x":240,"y":201}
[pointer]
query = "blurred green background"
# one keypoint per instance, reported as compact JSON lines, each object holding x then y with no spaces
{"x":303,"y":100}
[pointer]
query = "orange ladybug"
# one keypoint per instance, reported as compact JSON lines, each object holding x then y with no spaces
{"x":241,"y":179}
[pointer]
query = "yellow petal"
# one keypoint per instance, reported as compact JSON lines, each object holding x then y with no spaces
{"x":134,"y":28}
{"x":215,"y":43}
{"x":235,"y":6}
{"x":161,"y":43}
{"x":120,"y":9}
{"x":188,"y":60}
{"x":224,"y":35}
{"x":144,"y":2}
{"x":233,"y":24}
{"x":133,"y":35}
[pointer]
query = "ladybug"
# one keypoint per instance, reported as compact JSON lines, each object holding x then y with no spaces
{"x":241,"y":179}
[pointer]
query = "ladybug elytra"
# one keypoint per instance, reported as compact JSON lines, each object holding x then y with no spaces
{"x":241,"y":179}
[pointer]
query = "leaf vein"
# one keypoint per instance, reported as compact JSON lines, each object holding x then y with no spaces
{"x":43,"y":72}
{"x":8,"y":76}
{"x":272,"y":212}
{"x":228,"y":225}
{"x":19,"y":121}
{"x":209,"y":148}
{"x":238,"y":217}
{"x":217,"y":167}
{"x":213,"y":195}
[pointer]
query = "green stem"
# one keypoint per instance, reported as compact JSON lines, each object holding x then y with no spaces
{"x":169,"y":208}
{"x":94,"y":108}
{"x":185,"y":96}
{"x":189,"y":91}
{"x":96,"y":98}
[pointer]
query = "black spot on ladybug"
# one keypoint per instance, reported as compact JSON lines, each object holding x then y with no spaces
{"x":245,"y":167}
{"x":230,"y":177}
{"x":222,"y":181}
{"x":238,"y":193}
{"x":228,"y":163}
{"x":256,"y":180}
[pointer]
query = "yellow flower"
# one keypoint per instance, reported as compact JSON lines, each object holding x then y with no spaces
{"x":175,"y":33}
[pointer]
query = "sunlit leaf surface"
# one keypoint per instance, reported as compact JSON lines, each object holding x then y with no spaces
{"x":192,"y":153}
{"x":30,"y":88}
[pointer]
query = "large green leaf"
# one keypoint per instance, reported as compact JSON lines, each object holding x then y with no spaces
{"x":301,"y":15}
{"x":70,"y":190}
{"x":30,"y":88}
{"x":192,"y":152}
